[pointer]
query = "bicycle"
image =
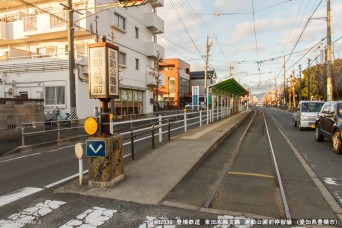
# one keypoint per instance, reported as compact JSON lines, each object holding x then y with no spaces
{"x":56,"y":116}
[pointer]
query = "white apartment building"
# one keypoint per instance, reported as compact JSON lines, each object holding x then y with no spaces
{"x":34,"y":61}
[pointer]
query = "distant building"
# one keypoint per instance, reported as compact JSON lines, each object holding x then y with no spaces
{"x":176,"y":90}
{"x":34,"y":52}
{"x":197,"y":78}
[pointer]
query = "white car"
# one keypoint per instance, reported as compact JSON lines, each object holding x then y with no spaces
{"x":195,"y":107}
{"x":306,"y":113}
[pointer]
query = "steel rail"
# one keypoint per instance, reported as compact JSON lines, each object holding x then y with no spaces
{"x":281,"y":186}
{"x":227,"y":167}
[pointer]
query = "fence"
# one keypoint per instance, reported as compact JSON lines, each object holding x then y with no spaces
{"x":136,"y":130}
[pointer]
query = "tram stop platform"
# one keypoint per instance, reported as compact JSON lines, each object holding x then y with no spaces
{"x":152,"y":176}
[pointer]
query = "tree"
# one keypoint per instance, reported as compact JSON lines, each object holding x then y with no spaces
{"x":318,"y":81}
{"x":156,"y":75}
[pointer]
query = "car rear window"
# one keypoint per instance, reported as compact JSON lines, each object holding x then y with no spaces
{"x":339,"y":109}
{"x":311,"y":106}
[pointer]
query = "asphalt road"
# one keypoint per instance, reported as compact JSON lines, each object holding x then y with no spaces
{"x":319,"y":155}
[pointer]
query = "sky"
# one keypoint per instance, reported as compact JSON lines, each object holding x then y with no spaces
{"x":250,"y":45}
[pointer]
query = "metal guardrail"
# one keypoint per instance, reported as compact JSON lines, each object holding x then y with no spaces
{"x":74,"y":124}
{"x":155,"y":125}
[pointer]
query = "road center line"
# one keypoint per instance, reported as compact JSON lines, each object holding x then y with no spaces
{"x":29,"y":155}
{"x":63,"y":180}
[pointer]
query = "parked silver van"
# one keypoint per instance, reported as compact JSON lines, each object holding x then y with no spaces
{"x":306,"y":113}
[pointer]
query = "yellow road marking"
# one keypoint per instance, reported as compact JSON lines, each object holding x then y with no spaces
{"x":251,"y":174}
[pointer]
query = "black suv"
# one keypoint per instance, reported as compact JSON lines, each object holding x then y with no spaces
{"x":329,"y":124}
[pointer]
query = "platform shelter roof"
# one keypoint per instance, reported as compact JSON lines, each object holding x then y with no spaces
{"x":227,"y":87}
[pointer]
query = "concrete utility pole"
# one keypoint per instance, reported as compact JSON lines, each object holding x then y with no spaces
{"x":293,"y":89}
{"x":284,"y":83}
{"x":329,"y":70}
{"x":300,"y":84}
{"x":206,"y":72}
{"x":230,"y":71}
{"x":309,"y":98}
{"x":290,"y":79}
{"x":275,"y":90}
{"x":72,"y":88}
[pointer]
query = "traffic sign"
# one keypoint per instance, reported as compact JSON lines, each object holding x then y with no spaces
{"x":96,"y":148}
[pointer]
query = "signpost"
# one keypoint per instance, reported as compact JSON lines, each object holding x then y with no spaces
{"x":105,"y":151}
{"x":195,"y":91}
{"x":103,"y":78}
{"x":96,"y":148}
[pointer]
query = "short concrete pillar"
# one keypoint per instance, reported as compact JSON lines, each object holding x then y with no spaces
{"x":107,"y":170}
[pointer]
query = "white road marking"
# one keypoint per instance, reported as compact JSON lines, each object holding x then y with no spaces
{"x":13,"y":196}
{"x":63,"y":180}
{"x":337,"y":194}
{"x":19,"y":157}
{"x":91,"y":218}
{"x":331,"y":181}
{"x":31,"y":215}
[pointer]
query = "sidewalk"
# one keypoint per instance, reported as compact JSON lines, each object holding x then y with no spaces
{"x":149,"y":179}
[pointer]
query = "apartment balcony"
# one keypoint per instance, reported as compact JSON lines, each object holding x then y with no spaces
{"x":3,"y":30}
{"x":154,"y":23}
{"x":152,"y":50}
{"x":40,"y":26}
{"x":157,"y":3}
{"x":45,"y":25}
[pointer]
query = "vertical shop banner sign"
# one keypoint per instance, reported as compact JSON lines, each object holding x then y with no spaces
{"x":195,"y":91}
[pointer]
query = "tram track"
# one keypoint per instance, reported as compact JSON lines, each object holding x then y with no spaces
{"x":228,"y":169}
{"x":247,"y":181}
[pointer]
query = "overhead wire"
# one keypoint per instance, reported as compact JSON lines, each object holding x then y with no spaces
{"x":184,"y":26}
{"x":255,"y":36}
{"x":300,"y":36}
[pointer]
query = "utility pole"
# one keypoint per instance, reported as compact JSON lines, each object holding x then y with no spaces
{"x":329,"y":70}
{"x":293,"y":89}
{"x":284,"y":83}
{"x":73,"y":110}
{"x":300,"y":84}
{"x":275,"y":90}
{"x":230,"y":71}
{"x":206,"y":72}
{"x":290,"y":88}
{"x":309,"y":98}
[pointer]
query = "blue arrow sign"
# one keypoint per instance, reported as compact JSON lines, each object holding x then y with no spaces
{"x":96,"y":148}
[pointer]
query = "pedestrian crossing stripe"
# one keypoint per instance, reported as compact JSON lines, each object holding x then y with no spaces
{"x":31,"y":215}
{"x":91,"y":218}
{"x":13,"y":196}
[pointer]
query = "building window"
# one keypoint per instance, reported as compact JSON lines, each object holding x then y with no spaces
{"x":137,"y":64}
{"x":119,"y":21}
{"x":46,"y":50}
{"x":130,"y":102}
{"x":23,"y":95}
{"x":122,"y":58}
{"x":136,"y":32}
{"x":30,"y":23}
{"x":57,"y":20}
{"x":55,"y":95}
